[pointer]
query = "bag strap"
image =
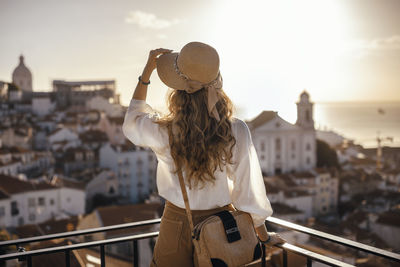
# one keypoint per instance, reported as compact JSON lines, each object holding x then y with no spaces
{"x":183,"y":189}
{"x":185,"y":198}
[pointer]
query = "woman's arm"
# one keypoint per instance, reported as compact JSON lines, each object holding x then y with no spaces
{"x":141,"y":88}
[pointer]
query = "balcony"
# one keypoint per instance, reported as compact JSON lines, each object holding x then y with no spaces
{"x":309,"y":257}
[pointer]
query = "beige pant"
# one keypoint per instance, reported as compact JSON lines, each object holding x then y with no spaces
{"x":174,"y":245}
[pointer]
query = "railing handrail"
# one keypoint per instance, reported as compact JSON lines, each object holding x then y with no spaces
{"x":67,"y":248}
{"x":103,"y":242}
{"x":273,"y":220}
{"x":79,"y":232}
{"x":336,"y":239}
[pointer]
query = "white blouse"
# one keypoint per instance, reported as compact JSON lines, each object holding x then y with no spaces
{"x":240,"y":183}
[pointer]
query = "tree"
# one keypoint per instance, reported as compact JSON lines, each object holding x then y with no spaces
{"x":326,"y":156}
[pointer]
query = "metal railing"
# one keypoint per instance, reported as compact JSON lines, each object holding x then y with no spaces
{"x":310,"y":256}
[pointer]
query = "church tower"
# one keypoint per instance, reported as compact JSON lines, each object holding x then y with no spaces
{"x":305,"y":112}
{"x":22,"y":76}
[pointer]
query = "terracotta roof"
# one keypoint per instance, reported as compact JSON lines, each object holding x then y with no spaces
{"x":287,"y":180}
{"x":321,"y":170}
{"x":292,"y":193}
{"x":116,"y":120}
{"x":357,"y":217}
{"x":262,"y":118}
{"x":112,"y":215}
{"x":358,"y":161}
{"x":12,"y":185}
{"x":93,"y":136}
{"x":304,"y":175}
{"x":271,"y":189}
{"x":17,"y":149}
{"x":127,"y":147}
{"x":391,"y":218}
{"x":283,"y":209}
{"x":61,"y":182}
{"x":3,"y":195}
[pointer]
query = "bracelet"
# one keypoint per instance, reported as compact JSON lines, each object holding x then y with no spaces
{"x":266,"y":241}
{"x":140,"y":80}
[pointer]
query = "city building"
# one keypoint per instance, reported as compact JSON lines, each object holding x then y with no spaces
{"x":112,"y":215}
{"x":22,"y":76}
{"x":135,"y":168}
{"x":77,"y":93}
{"x":281,"y":146}
{"x":24,"y":202}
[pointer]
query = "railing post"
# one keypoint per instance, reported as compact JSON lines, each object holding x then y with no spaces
{"x":102,"y":256}
{"x":67,"y":258}
{"x":135,"y":254}
{"x":309,"y":262}
{"x":284,"y":258}
{"x":29,"y":260}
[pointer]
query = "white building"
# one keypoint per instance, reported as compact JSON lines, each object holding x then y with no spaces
{"x":314,"y":192}
{"x":387,"y":226}
{"x":42,"y":106}
{"x":104,"y":183}
{"x":62,"y":138}
{"x":135,"y":168}
{"x":102,"y":104}
{"x":23,"y":202}
{"x":281,"y":146}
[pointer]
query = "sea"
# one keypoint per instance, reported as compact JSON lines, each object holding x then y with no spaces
{"x":362,"y":122}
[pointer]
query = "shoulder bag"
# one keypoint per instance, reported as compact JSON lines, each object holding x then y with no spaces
{"x":226,"y":238}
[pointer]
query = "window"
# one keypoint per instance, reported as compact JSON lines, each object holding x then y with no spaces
{"x":308,"y":160}
{"x":51,"y":202}
{"x":14,"y":208}
{"x":2,"y":211}
{"x":293,"y":145}
{"x":278,"y":144}
{"x":307,"y":115}
{"x":32,"y":217}
{"x":68,"y":199}
{"x":262,"y":157}
{"x":31,"y":202}
{"x":278,"y":156}
{"x":293,"y":156}
{"x":41,"y":201}
{"x":78,"y":156}
{"x":262,"y":146}
{"x":308,"y":147}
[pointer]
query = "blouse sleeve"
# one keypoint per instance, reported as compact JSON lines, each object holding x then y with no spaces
{"x":139,"y":125}
{"x":248,"y":193}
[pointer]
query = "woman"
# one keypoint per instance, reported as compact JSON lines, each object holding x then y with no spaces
{"x":200,"y":137}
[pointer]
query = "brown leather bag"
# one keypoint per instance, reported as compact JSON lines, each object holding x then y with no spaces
{"x":226,"y":238}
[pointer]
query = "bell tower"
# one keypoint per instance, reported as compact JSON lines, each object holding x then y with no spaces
{"x":305,"y":111}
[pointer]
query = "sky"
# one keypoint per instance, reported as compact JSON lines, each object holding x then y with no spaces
{"x":270,"y":51}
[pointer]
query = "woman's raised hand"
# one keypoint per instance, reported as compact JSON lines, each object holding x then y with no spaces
{"x":153,"y":55}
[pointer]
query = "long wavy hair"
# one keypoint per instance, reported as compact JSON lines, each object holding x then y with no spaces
{"x":199,"y":143}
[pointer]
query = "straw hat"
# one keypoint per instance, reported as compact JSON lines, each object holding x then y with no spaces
{"x":195,"y":67}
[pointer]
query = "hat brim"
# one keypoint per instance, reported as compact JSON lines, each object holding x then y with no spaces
{"x":166,"y":72}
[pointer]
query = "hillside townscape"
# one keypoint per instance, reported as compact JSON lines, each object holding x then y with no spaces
{"x":66,"y":165}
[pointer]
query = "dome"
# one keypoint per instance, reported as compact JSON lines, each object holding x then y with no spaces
{"x":22,"y":76}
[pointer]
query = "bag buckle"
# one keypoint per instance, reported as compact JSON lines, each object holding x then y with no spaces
{"x":231,"y":230}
